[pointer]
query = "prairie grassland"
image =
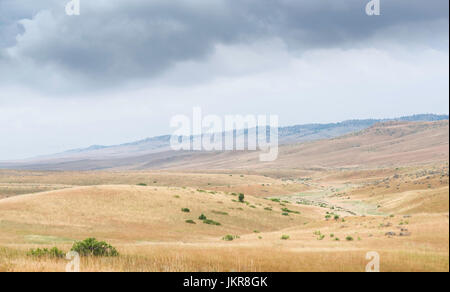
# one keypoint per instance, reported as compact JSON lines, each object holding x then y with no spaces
{"x":141,"y":213}
{"x":151,"y":178}
{"x":301,"y":253}
{"x":147,"y":225}
{"x":14,"y":189}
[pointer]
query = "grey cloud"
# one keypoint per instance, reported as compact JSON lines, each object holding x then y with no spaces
{"x":118,"y":41}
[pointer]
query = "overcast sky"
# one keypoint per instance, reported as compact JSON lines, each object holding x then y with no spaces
{"x":119,"y":71}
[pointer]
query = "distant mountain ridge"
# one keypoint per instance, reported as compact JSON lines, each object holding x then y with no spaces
{"x":155,"y":151}
{"x":296,"y":130}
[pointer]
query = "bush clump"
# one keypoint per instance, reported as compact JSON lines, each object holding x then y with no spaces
{"x":220,"y":213}
{"x":285,"y":237}
{"x":286,"y":210}
{"x":229,"y":237}
{"x":51,"y":253}
{"x":241,"y":197}
{"x":190,"y":222}
{"x":185,"y":210}
{"x":92,"y":247}
{"x":211,"y":222}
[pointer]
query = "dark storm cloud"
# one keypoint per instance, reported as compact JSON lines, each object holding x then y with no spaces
{"x":118,"y":41}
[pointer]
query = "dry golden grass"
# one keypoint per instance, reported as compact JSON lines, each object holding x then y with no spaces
{"x":408,"y":191}
{"x":141,"y":213}
{"x":14,"y":189}
{"x":239,"y":259}
{"x":148,"y":228}
{"x":151,"y":178}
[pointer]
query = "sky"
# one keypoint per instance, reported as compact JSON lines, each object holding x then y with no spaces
{"x":121,"y":69}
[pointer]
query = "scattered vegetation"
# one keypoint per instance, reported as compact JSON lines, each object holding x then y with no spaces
{"x":50,"y":253}
{"x":92,"y":247}
{"x":286,"y":210}
{"x":220,"y":213}
{"x":211,"y":222}
{"x":229,"y":237}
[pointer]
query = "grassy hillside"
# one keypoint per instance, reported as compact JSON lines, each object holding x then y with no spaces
{"x":148,"y":226}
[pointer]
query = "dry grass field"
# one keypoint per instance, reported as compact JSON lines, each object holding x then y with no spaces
{"x":322,"y":206}
{"x":140,"y":213}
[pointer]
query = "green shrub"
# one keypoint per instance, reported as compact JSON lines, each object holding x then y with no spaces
{"x":211,"y":222}
{"x":190,"y":222}
{"x":202,"y":217}
{"x":51,"y":253}
{"x":92,"y":247}
{"x":142,"y":185}
{"x":286,"y":210}
{"x":349,"y":238}
{"x":220,"y":213}
{"x":285,"y":214}
{"x":230,"y":237}
{"x":285,"y":237}
{"x":185,"y":210}
{"x":241,"y":197}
